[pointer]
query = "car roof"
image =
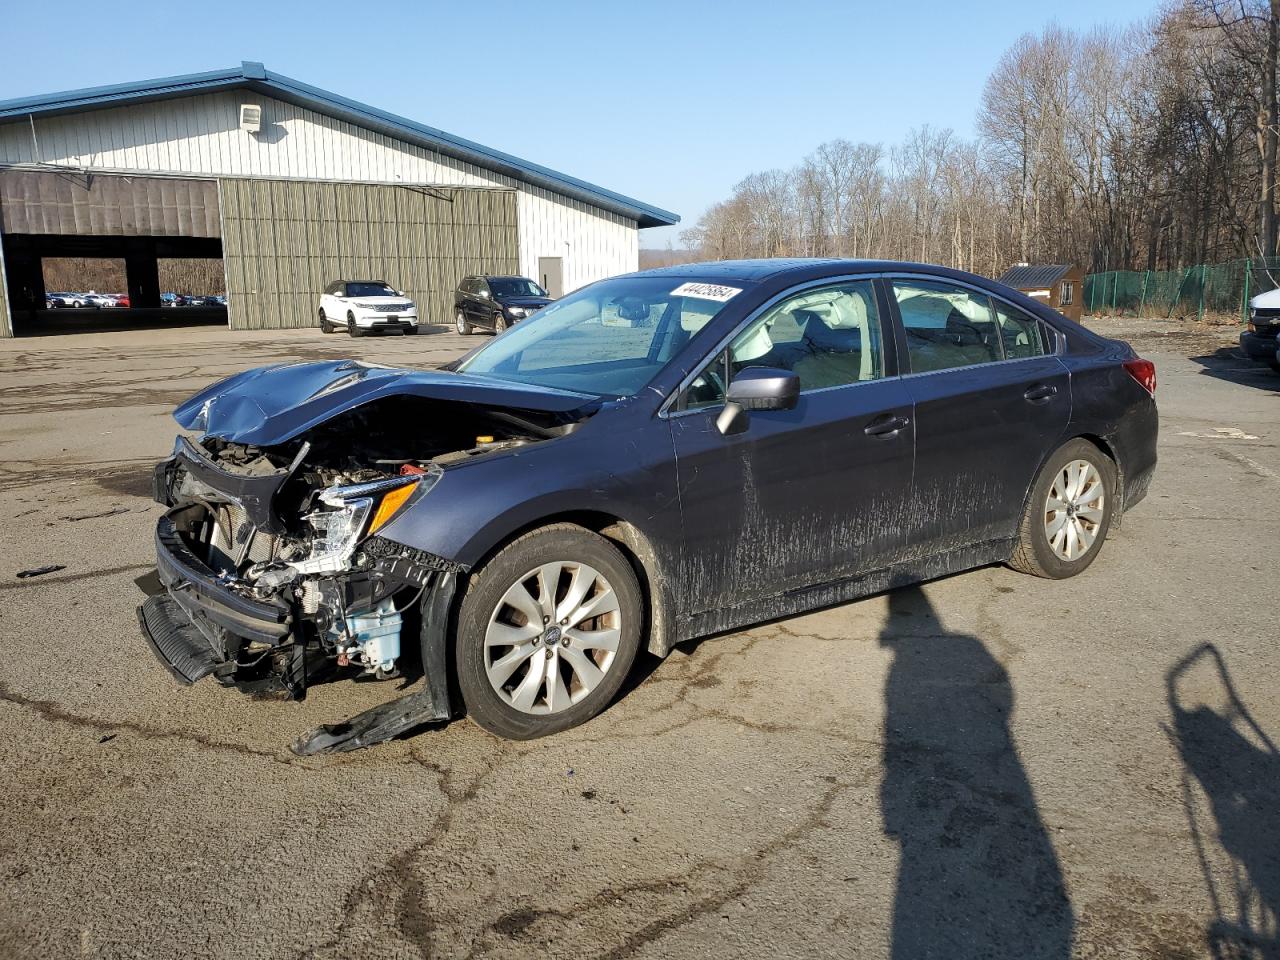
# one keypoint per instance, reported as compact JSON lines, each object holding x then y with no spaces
{"x":801,"y":268}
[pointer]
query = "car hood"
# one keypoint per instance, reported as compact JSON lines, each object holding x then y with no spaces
{"x":1267,"y":301}
{"x":270,"y":405}
{"x":526,"y":301}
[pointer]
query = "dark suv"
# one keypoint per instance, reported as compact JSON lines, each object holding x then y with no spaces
{"x":495,"y":303}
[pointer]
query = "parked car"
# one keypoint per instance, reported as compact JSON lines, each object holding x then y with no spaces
{"x":495,"y":303}
{"x":783,"y":435}
{"x":1259,"y":340}
{"x":67,"y":299}
{"x":122,"y":300}
{"x":98,"y":301}
{"x":366,"y":306}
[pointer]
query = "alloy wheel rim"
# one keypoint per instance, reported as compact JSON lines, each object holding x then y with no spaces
{"x":552,"y":637}
{"x":458,"y":321}
{"x":1074,"y":509}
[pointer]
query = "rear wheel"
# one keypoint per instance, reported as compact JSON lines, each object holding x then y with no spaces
{"x":352,"y":329}
{"x":1068,"y":513}
{"x":460,"y":323}
{"x":547,"y":632}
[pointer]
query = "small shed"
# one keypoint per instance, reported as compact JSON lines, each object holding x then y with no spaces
{"x":1059,"y":285}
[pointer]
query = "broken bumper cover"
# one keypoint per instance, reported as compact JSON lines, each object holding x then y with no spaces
{"x":204,"y":596}
{"x":194,"y":624}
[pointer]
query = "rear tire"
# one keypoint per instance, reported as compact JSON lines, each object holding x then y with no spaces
{"x":1068,"y":513}
{"x":461,"y":324}
{"x":591,"y":656}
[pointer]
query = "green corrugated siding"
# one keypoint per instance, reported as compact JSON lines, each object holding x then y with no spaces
{"x":284,"y":241}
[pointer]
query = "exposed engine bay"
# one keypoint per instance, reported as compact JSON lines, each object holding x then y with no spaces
{"x":273,"y":554}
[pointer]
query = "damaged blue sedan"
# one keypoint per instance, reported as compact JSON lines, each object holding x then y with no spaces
{"x":653,"y":458}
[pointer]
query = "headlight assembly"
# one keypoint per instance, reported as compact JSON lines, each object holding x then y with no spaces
{"x":518,"y":311}
{"x":340,"y":528}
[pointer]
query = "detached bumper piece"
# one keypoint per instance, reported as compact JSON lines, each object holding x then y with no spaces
{"x":389,"y":720}
{"x":178,"y":645}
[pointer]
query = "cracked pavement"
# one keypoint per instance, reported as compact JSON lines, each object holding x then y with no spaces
{"x":992,"y":765}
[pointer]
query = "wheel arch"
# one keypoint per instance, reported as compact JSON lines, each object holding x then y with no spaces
{"x":651,"y":573}
{"x":1104,"y":446}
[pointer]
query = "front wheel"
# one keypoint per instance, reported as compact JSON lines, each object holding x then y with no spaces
{"x":499,"y":323}
{"x":352,"y":329}
{"x":460,"y":323}
{"x":547,"y":632}
{"x":1068,"y":513}
{"x":324,"y":323}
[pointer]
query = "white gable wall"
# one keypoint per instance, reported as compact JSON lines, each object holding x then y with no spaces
{"x":200,"y":136}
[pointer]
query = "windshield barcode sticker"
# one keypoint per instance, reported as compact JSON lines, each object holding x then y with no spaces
{"x":706,"y":291}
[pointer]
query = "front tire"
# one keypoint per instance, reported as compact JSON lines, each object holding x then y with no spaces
{"x":352,"y":329}
{"x":499,"y":323}
{"x":461,"y":324}
{"x":324,"y":323}
{"x":1068,"y":513}
{"x":547,"y":632}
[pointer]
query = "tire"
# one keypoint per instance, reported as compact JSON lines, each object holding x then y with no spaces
{"x":572,"y":550}
{"x":499,"y":323}
{"x":1034,"y":552}
{"x":324,"y":323}
{"x":352,"y":329}
{"x":460,"y":323}
{"x":1274,"y":364}
{"x":411,"y":332}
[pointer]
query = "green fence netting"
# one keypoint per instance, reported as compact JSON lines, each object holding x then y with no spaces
{"x":1219,"y":291}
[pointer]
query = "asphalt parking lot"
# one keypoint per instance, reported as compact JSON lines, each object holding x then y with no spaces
{"x":991,"y":765}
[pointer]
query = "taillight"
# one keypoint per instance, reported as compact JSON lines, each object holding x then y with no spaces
{"x":1144,"y":371}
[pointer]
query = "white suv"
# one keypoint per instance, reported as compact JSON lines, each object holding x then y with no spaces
{"x":366,"y":306}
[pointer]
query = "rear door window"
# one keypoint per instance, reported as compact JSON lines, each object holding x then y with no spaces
{"x":947,"y":326}
{"x":1021,"y":335}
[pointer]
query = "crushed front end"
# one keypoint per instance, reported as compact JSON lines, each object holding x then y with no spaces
{"x":272,"y":570}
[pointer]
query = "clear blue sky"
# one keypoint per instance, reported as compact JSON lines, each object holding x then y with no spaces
{"x":668,"y":102}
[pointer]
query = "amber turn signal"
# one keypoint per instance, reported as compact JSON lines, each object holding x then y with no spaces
{"x":392,"y":502}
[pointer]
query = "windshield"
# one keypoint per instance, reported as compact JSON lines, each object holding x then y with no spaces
{"x":370,"y":290}
{"x":608,"y":339}
{"x":515,"y":287}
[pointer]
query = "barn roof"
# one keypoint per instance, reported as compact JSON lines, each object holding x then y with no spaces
{"x":254,"y":76}
{"x":1034,"y":275}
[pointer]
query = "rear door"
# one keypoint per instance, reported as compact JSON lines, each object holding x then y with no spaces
{"x":479,"y":305}
{"x":991,"y":398}
{"x":802,"y":496}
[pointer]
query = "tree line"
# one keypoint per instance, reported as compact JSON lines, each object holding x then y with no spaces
{"x":1150,"y":148}
{"x":200,"y":276}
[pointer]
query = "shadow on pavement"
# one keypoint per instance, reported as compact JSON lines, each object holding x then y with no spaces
{"x":1231,"y":791}
{"x":978,"y":875}
{"x":1230,"y":364}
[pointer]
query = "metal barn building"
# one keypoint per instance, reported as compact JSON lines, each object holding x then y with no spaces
{"x":293,"y":187}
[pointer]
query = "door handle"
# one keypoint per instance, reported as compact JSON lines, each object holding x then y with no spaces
{"x":886,"y":428}
{"x":1040,"y":392}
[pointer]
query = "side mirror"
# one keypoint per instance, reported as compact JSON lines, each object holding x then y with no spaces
{"x":757,"y":388}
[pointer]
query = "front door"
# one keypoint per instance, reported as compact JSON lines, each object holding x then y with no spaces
{"x":801,"y":496}
{"x":551,"y":275}
{"x":991,"y":398}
